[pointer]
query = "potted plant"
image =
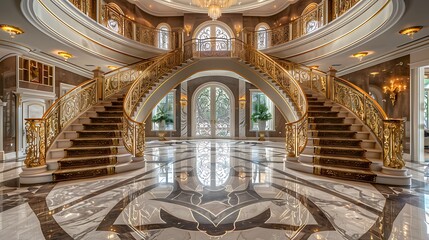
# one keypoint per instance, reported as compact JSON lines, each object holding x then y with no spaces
{"x":261,"y":116}
{"x":162,"y":117}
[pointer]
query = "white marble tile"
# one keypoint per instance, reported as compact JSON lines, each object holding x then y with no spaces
{"x":20,"y":223}
{"x":412,"y":223}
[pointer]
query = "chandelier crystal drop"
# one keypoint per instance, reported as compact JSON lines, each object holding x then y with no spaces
{"x":214,"y":7}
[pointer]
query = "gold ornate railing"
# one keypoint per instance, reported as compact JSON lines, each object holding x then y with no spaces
{"x":42,"y":132}
{"x":133,"y":131}
{"x":117,"y":22}
{"x":310,"y":21}
{"x":387,"y":131}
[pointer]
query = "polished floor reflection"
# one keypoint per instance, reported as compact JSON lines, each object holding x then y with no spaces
{"x":216,"y":189}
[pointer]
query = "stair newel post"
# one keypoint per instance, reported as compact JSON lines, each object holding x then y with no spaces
{"x":393,"y":134}
{"x":36,"y":143}
{"x":291,"y":142}
{"x":99,"y":77}
{"x":330,"y":79}
{"x":139,"y":141}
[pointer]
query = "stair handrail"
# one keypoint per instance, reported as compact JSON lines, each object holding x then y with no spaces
{"x":296,"y":132}
{"x":133,"y":133}
{"x":42,"y":132}
{"x":388,"y":132}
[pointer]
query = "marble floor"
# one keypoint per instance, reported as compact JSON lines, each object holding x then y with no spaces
{"x":215,"y":189}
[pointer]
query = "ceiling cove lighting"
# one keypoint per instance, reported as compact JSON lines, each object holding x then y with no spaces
{"x":65,"y":55}
{"x":410,"y":31}
{"x":214,"y":7}
{"x":12,"y":30}
{"x":360,"y":55}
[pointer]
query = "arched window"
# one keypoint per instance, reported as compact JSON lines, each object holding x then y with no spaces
{"x":309,"y":18}
{"x":262,"y":36}
{"x":163,"y":36}
{"x":213,"y":36}
{"x":113,"y":17}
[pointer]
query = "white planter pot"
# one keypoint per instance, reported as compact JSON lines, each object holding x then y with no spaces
{"x":262,"y":125}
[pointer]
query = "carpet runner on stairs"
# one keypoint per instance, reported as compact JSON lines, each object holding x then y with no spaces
{"x":98,"y":146}
{"x":333,"y":147}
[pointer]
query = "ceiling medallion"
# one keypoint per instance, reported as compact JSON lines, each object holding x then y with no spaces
{"x":410,"y":31}
{"x":214,"y":7}
{"x":12,"y":30}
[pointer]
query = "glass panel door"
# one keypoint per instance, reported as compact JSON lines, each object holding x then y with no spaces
{"x":213,"y":112}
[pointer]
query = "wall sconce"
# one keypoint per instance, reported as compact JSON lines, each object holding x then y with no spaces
{"x":360,"y":55}
{"x":183,"y":176}
{"x":393,"y":89}
{"x":65,"y":55}
{"x":13,"y":31}
{"x":242,"y":102}
{"x":183,"y":100}
{"x":188,"y":29}
{"x":238,"y":30}
{"x":410,"y":31}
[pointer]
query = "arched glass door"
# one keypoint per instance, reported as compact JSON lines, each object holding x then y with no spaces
{"x":213,"y":112}
{"x":213,"y":38}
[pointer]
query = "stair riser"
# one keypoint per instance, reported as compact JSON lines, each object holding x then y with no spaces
{"x":326,"y":120}
{"x":319,"y":108}
{"x":75,"y":127}
{"x":63,"y":144}
{"x":83,"y":121}
{"x":322,"y":114}
{"x":117,"y":103}
{"x":332,"y":134}
{"x":342,"y":163}
{"x":99,"y":134}
{"x":114,"y":108}
{"x":334,"y":152}
{"x":110,"y":114}
{"x":336,"y":143}
{"x":83,"y":174}
{"x":102,"y":127}
{"x":373,"y":155}
{"x":106,"y":120}
{"x":316,"y":103}
{"x":91,"y":152}
{"x":330,"y":127}
{"x":95,"y":143}
{"x":345,"y":175}
{"x":64,"y":164}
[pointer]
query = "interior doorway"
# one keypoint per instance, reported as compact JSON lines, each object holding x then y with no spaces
{"x":212,"y":114}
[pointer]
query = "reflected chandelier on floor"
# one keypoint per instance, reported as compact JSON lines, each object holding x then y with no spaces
{"x":214,"y":7}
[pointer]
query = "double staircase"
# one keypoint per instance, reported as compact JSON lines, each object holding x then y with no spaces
{"x":339,"y":145}
{"x":92,"y":145}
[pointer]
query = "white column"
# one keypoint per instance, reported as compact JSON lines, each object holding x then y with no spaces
{"x":184,"y":110}
{"x":417,"y":115}
{"x":241,"y":111}
{"x":2,"y":156}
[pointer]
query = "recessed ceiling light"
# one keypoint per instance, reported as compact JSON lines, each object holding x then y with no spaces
{"x":410,"y":31}
{"x":65,"y":55}
{"x":12,"y":30}
{"x":360,"y":55}
{"x":374,"y":73}
{"x":112,"y":67}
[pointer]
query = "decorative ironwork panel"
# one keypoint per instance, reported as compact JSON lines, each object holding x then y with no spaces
{"x":392,"y":143}
{"x":36,"y":144}
{"x":222,"y":103}
{"x":342,"y":6}
{"x":203,"y":113}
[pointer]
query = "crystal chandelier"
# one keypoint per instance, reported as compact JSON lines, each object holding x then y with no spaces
{"x":214,"y":7}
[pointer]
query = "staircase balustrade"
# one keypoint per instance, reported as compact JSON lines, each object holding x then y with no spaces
{"x":215,"y":47}
{"x":42,"y":132}
{"x":389,"y":132}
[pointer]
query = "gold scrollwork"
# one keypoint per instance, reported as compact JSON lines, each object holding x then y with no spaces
{"x":392,"y":143}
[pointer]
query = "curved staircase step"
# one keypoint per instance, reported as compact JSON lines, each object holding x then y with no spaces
{"x":347,"y":174}
{"x":86,"y":142}
{"x":335,"y":151}
{"x":329,"y":126}
{"x":336,"y":161}
{"x":331,"y":133}
{"x":337,"y":142}
{"x":90,"y":172}
{"x":106,"y":119}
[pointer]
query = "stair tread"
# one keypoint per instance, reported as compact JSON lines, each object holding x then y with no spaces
{"x":83,"y":169}
{"x":86,"y":157}
{"x":97,"y":138}
{"x":360,"y":159}
{"x":340,"y":169}
{"x":93,"y":147}
{"x":98,"y":131}
{"x":339,"y":147}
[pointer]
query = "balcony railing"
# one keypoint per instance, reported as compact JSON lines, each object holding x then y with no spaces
{"x":121,"y":24}
{"x":319,"y":16}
